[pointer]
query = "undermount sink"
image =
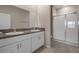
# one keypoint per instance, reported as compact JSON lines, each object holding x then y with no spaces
{"x":14,"y":33}
{"x":34,"y":30}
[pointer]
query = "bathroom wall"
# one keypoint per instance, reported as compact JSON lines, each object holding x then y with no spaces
{"x":34,"y":16}
{"x":19,"y":17}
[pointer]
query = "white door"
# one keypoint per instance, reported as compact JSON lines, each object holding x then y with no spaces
{"x":59,"y":27}
{"x":71,"y":28}
{"x":13,"y":48}
{"x":25,"y":46}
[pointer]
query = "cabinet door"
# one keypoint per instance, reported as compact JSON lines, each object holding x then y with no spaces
{"x":13,"y":48}
{"x":41,"y":39}
{"x":35,"y":43}
{"x":37,"y":40}
{"x":25,"y":46}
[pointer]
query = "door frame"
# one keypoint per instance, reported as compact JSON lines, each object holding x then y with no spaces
{"x":51,"y":23}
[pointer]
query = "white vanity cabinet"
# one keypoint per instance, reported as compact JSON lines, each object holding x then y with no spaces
{"x":19,"y":44}
{"x":13,"y":48}
{"x":37,"y":40}
{"x":25,"y":46}
{"x":41,"y":39}
{"x":21,"y":47}
{"x":22,"y":44}
{"x":35,"y":43}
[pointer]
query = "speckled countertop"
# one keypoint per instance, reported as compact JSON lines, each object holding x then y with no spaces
{"x":25,"y":32}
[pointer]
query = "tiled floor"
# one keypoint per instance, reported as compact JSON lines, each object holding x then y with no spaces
{"x":58,"y":47}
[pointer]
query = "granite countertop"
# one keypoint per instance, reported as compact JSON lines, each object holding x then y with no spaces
{"x":25,"y":32}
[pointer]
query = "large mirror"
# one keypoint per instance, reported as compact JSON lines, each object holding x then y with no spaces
{"x":5,"y":21}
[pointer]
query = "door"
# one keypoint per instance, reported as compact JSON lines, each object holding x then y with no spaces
{"x":59,"y":27}
{"x":13,"y":48}
{"x":71,"y":28}
{"x":25,"y":46}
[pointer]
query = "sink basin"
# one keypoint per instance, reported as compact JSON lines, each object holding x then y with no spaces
{"x":34,"y":30}
{"x":14,"y":33}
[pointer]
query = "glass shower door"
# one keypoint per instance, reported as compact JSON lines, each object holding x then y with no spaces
{"x":71,"y":28}
{"x":59,"y":27}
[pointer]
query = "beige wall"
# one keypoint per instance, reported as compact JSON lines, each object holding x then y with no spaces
{"x":34,"y":16}
{"x":19,"y":17}
{"x":44,"y":17}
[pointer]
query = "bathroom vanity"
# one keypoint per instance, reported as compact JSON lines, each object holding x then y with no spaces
{"x":22,"y":41}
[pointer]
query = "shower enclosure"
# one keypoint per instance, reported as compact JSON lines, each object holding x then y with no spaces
{"x":65,"y":28}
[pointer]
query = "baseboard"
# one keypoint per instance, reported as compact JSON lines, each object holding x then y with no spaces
{"x":66,"y":42}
